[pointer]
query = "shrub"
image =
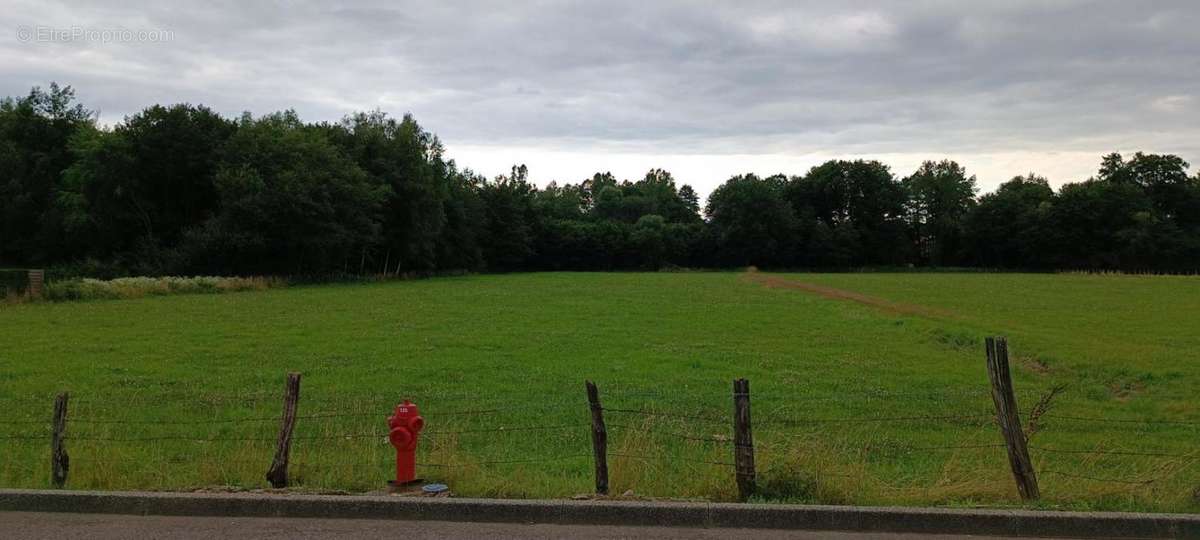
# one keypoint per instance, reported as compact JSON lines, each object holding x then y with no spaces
{"x":137,"y":287}
{"x":13,"y":282}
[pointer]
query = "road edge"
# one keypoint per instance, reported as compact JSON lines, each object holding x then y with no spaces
{"x":599,"y":512}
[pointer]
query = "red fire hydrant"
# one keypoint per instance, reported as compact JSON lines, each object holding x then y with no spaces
{"x":405,"y":424}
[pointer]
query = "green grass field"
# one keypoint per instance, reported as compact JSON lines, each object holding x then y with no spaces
{"x":844,"y":382}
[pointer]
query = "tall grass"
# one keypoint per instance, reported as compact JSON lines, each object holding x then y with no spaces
{"x":138,"y":287}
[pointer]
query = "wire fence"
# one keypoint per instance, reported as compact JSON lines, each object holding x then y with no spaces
{"x":646,"y":422}
{"x":647,"y":427}
{"x":687,"y":432}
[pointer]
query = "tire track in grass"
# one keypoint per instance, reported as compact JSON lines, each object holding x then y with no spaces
{"x":895,"y":308}
{"x":1030,"y":363}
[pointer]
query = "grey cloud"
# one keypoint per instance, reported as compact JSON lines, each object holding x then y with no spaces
{"x":740,"y":77}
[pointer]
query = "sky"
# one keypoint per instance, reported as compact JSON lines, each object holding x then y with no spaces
{"x":704,"y":90}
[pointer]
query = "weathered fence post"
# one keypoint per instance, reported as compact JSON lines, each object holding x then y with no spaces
{"x":1008,"y":418}
{"x":37,"y":282}
{"x":60,"y":462}
{"x":743,"y":440}
{"x":599,"y":439}
{"x":278,"y":473}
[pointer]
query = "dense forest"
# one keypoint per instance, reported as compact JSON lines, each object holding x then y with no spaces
{"x":182,"y":190}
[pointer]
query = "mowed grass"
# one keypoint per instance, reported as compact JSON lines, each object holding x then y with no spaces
{"x":853,"y":402}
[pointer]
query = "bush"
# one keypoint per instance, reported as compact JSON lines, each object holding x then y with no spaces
{"x":137,"y":287}
{"x":13,"y":282}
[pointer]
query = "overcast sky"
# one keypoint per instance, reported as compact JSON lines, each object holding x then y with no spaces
{"x":703,"y":90}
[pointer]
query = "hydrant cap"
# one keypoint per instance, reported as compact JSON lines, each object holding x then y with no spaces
{"x":406,"y":415}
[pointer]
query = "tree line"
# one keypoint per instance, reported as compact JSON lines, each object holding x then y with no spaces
{"x":182,"y":190}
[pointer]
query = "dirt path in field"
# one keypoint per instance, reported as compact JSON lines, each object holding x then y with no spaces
{"x":896,"y":308}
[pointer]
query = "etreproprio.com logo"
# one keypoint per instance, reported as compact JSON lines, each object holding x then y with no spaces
{"x":52,"y":34}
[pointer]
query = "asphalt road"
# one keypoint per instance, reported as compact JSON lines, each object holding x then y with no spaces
{"x":104,"y":526}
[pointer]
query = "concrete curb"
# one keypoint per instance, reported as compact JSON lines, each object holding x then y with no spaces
{"x":763,"y":516}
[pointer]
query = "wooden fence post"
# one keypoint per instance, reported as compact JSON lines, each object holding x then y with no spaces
{"x":1009,"y":419}
{"x":37,"y":283}
{"x":599,"y":439}
{"x":60,"y":462}
{"x":743,"y":440}
{"x":278,"y":473}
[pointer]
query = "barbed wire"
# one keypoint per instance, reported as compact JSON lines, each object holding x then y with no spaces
{"x":682,"y":408}
{"x":841,"y":395}
{"x":717,"y":440}
{"x":381,"y":414}
{"x":1120,"y":420}
{"x":1192,"y":455}
{"x":1097,"y":479}
{"x":187,"y":438}
{"x":504,"y":429}
{"x":501,"y":462}
{"x":129,"y":400}
{"x":167,"y":438}
{"x":141,"y":397}
{"x":215,"y":399}
{"x":858,"y":420}
{"x":644,"y":412}
{"x":89,"y":420}
{"x":581,"y":404}
{"x":872,"y":446}
{"x":673,"y":458}
{"x":906,"y":448}
{"x":24,"y":437}
{"x":382,"y":396}
{"x":434,"y":434}
{"x":190,"y":460}
{"x":838,"y":394}
{"x":382,"y":435}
